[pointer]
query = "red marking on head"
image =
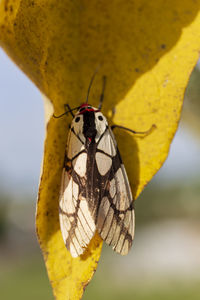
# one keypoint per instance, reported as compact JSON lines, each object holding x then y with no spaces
{"x":86,"y":105}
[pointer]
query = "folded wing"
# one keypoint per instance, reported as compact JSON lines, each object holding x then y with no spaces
{"x":115,"y":222}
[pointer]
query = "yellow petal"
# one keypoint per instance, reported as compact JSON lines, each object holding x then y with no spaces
{"x":147,"y":50}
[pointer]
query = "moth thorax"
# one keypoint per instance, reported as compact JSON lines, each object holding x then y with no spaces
{"x":89,"y":127}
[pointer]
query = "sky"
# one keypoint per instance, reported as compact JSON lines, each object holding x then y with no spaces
{"x":21,"y":128}
{"x":22,"y":134}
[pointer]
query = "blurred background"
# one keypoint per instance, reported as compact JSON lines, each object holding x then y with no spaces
{"x":164,"y":262}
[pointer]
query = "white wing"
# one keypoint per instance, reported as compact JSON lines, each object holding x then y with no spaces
{"x":115,"y":222}
{"x":76,"y":223}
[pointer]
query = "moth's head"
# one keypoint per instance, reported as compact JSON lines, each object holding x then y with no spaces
{"x":85,"y":107}
{"x":83,"y":112}
{"x":90,"y":121}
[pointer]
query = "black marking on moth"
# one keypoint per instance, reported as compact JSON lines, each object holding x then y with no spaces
{"x":89,"y":127}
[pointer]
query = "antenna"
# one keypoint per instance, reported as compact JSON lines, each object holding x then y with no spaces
{"x":91,"y":81}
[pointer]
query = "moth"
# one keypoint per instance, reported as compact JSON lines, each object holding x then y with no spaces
{"x":95,"y":193}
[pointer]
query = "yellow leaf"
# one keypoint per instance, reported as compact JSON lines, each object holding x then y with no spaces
{"x":147,"y":50}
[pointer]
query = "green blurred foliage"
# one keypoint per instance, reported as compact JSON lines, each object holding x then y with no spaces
{"x":178,"y":291}
{"x":192,"y":93}
{"x":3,"y":216}
{"x":25,"y":280}
{"x":28,"y":280}
{"x":157,"y":203}
{"x":191,"y":111}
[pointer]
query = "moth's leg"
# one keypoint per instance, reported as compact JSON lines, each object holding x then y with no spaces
{"x":102,"y":93}
{"x":133,"y":131}
{"x":66,"y":111}
{"x":66,"y":106}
